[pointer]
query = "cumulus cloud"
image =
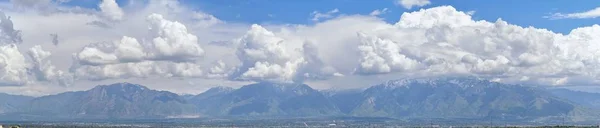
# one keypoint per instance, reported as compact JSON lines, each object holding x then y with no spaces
{"x":70,"y":23}
{"x":440,"y":41}
{"x":594,"y":13}
{"x":219,"y":70}
{"x":382,"y":56}
{"x":318,"y":15}
{"x":169,"y":42}
{"x":428,"y":42}
{"x":409,"y":4}
{"x":8,"y":34}
{"x":444,"y":40}
{"x":173,"y":41}
{"x":13,"y":67}
{"x":111,"y":10}
{"x":314,"y":67}
{"x":44,"y":70}
{"x":378,"y":12}
{"x":264,"y":57}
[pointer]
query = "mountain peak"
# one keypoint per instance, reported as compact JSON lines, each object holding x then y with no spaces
{"x":121,"y":87}
{"x":282,"y":86}
{"x":271,"y":87}
{"x":219,"y":89}
{"x":119,"y":100}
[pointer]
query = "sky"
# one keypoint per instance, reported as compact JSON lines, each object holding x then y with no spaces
{"x":188,"y":46}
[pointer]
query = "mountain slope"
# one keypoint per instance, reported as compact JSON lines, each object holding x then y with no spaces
{"x":121,"y":100}
{"x":212,"y":92}
{"x":458,"y":97}
{"x":344,"y":100}
{"x":210,"y":100}
{"x":13,"y":103}
{"x":269,"y":99}
{"x":588,"y":99}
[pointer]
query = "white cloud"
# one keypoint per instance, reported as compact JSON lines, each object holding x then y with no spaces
{"x":36,"y":25}
{"x":13,"y":67}
{"x":409,"y":4}
{"x":449,"y":41}
{"x":442,"y":41}
{"x":145,"y":69}
{"x":173,"y":41}
{"x":16,"y":69}
{"x":169,"y":41}
{"x":272,"y":72}
{"x":169,"y":51}
{"x":317,"y":16}
{"x":594,"y":13}
{"x":265,"y":57}
{"x":379,"y":12}
{"x":111,"y":10}
{"x":219,"y":70}
{"x":314,"y":67}
{"x":382,"y":56}
{"x":363,"y":49}
{"x":8,"y":34}
{"x":44,"y":70}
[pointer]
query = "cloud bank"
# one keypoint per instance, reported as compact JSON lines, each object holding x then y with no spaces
{"x":155,"y":42}
{"x":168,"y":51}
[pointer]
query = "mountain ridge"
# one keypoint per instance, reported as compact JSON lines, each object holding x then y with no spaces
{"x":452,"y":97}
{"x":120,"y":100}
{"x":269,"y":99}
{"x":447,"y":97}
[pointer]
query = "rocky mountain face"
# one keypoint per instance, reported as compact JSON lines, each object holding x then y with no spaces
{"x":121,"y":100}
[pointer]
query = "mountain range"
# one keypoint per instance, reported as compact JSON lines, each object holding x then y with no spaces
{"x":417,"y":98}
{"x":116,"y":101}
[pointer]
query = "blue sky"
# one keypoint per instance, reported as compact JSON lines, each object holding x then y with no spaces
{"x":520,"y":12}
